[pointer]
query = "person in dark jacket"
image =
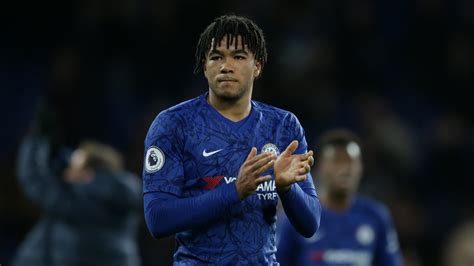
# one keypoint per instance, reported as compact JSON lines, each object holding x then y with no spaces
{"x":90,"y":209}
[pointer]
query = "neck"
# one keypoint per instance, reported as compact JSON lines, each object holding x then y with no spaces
{"x":234,"y":110}
{"x":336,"y":202}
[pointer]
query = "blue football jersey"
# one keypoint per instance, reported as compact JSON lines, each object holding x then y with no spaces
{"x":363,"y":235}
{"x":191,"y":150}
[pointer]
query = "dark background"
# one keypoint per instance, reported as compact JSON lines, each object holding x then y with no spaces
{"x":398,"y":73}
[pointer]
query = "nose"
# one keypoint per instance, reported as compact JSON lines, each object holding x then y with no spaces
{"x":344,"y":169}
{"x":226,"y":66}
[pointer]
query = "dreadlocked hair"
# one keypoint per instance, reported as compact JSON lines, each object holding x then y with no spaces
{"x":231,"y":26}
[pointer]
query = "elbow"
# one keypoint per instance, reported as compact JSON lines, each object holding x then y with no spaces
{"x":156,"y":233}
{"x":156,"y":230}
{"x":156,"y":224}
{"x":309,"y":230}
{"x":313,"y":222}
{"x":307,"y":234}
{"x":309,"y":226}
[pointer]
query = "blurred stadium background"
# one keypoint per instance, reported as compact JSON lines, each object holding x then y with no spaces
{"x":396,"y":72}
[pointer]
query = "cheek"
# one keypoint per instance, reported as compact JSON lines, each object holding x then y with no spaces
{"x":210,"y":68}
{"x":249,"y":73}
{"x":252,"y":69}
{"x":356,"y":169}
{"x":356,"y":173}
{"x":206,"y":70}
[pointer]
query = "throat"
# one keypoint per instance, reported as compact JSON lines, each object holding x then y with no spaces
{"x":232,"y":110}
{"x":234,"y":115}
{"x":336,"y":202}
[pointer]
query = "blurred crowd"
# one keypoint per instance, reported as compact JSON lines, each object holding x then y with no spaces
{"x":395,"y":72}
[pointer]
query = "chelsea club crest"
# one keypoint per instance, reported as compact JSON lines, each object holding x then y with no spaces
{"x":270,"y":147}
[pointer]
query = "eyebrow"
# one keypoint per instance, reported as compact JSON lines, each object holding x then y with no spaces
{"x":234,"y":52}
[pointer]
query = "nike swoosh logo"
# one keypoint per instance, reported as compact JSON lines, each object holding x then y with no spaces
{"x":207,"y":154}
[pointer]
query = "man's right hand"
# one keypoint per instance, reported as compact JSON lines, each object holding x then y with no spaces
{"x":250,"y":172}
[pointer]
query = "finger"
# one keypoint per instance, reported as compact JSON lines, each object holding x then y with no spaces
{"x":291,"y":148}
{"x":264,"y":168}
{"x":260,"y":157}
{"x":260,"y":163}
{"x":305,"y":156}
{"x":300,"y":178}
{"x":311,"y":160}
{"x":263,"y":179}
{"x":252,"y":153}
{"x":302,"y":164}
{"x":251,"y":156}
{"x":304,"y":169}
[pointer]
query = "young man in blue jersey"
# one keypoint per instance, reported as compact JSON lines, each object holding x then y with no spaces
{"x":354,"y":230}
{"x":216,"y":165}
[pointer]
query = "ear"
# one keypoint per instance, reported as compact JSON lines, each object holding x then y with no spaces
{"x":258,"y":69}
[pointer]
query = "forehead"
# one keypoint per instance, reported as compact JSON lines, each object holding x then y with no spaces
{"x":351,"y":151}
{"x":228,"y":42}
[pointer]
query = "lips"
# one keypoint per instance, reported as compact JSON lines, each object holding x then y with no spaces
{"x":226,"y":80}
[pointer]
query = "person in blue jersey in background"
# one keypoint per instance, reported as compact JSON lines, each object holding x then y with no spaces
{"x":354,"y":230}
{"x":216,"y":165}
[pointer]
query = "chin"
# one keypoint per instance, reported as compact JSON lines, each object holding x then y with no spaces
{"x":342,"y":192}
{"x":229,"y":96}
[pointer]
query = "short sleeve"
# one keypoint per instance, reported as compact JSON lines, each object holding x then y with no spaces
{"x":163,"y":155}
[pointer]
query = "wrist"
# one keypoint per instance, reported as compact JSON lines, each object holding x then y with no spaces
{"x":283,"y":189}
{"x":241,"y":195}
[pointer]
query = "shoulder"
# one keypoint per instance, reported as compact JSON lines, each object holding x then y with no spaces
{"x":177,"y":116}
{"x":183,"y":110}
{"x":374,"y":208}
{"x":284,"y":116}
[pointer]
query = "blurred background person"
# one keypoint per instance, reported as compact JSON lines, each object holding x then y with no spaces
{"x":459,"y":249}
{"x":90,"y":205}
{"x":354,"y":230}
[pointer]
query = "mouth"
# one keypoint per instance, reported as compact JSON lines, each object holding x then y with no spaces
{"x":344,"y":180}
{"x":226,"y":80}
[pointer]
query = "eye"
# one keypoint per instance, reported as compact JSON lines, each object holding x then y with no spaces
{"x":239,"y":57}
{"x":215,"y":58}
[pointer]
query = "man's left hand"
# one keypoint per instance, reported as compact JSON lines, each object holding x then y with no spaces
{"x":289,"y":168}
